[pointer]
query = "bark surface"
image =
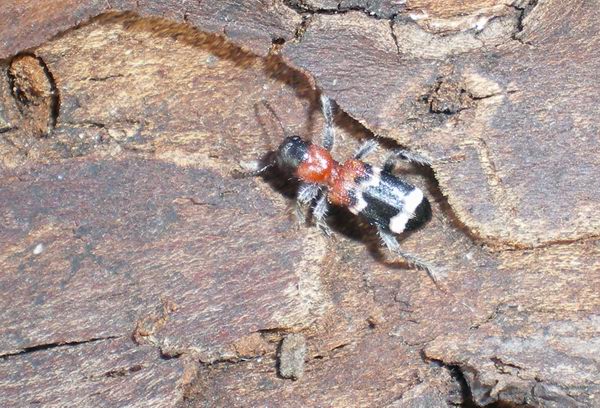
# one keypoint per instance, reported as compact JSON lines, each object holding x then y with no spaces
{"x":136,"y":270}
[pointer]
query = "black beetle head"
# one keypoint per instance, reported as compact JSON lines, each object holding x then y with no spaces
{"x":291,"y":152}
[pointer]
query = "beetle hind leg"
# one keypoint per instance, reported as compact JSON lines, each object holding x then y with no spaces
{"x":391,"y":243}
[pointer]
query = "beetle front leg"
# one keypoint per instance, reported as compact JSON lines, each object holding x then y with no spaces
{"x":320,"y":212}
{"x":405,"y":155}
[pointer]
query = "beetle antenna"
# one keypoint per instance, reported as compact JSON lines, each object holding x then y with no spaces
{"x":263,"y":111}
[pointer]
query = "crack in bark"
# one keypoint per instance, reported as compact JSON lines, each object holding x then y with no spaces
{"x":301,"y":8}
{"x":50,"y":346}
{"x":393,"y":34}
{"x":499,"y":309}
{"x":122,"y":372}
{"x":476,"y":393}
{"x":502,"y":365}
{"x":299,"y":31}
{"x":102,"y":79}
{"x":550,"y":244}
{"x":55,"y":100}
{"x":523,"y":12}
{"x":457,"y":373}
{"x":86,"y":124}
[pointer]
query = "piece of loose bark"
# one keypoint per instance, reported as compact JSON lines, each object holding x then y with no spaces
{"x":292,"y":353}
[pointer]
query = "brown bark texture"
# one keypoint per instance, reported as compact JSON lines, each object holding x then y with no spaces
{"x":136,"y":270}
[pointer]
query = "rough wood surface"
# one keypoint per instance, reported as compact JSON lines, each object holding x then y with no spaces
{"x":135,"y":270}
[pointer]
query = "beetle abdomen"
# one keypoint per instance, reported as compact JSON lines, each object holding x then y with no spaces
{"x":387,"y":201}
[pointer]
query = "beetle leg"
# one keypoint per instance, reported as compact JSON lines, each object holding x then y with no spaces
{"x":402,"y":154}
{"x":307,"y":192}
{"x":366,"y":148}
{"x":328,"y":129}
{"x":320,"y":212}
{"x":390,"y":241}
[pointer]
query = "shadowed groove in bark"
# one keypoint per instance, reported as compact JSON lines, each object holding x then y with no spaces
{"x":378,"y":14}
{"x":523,"y":13}
{"x":55,"y":95}
{"x":51,"y":346}
{"x":22,"y":99}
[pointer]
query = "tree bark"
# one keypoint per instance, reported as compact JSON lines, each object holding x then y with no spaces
{"x":137,"y":270}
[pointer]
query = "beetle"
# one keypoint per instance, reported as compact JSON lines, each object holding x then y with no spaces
{"x":384,"y":200}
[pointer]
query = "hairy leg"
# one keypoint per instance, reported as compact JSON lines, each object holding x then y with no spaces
{"x":328,"y":130}
{"x":307,"y":192}
{"x":402,"y":154}
{"x":320,"y":212}
{"x":366,"y":148}
{"x":390,"y":241}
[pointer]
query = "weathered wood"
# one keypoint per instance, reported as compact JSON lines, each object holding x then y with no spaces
{"x":125,"y":234}
{"x":99,"y":372}
{"x":495,"y":177}
{"x":253,"y":25}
